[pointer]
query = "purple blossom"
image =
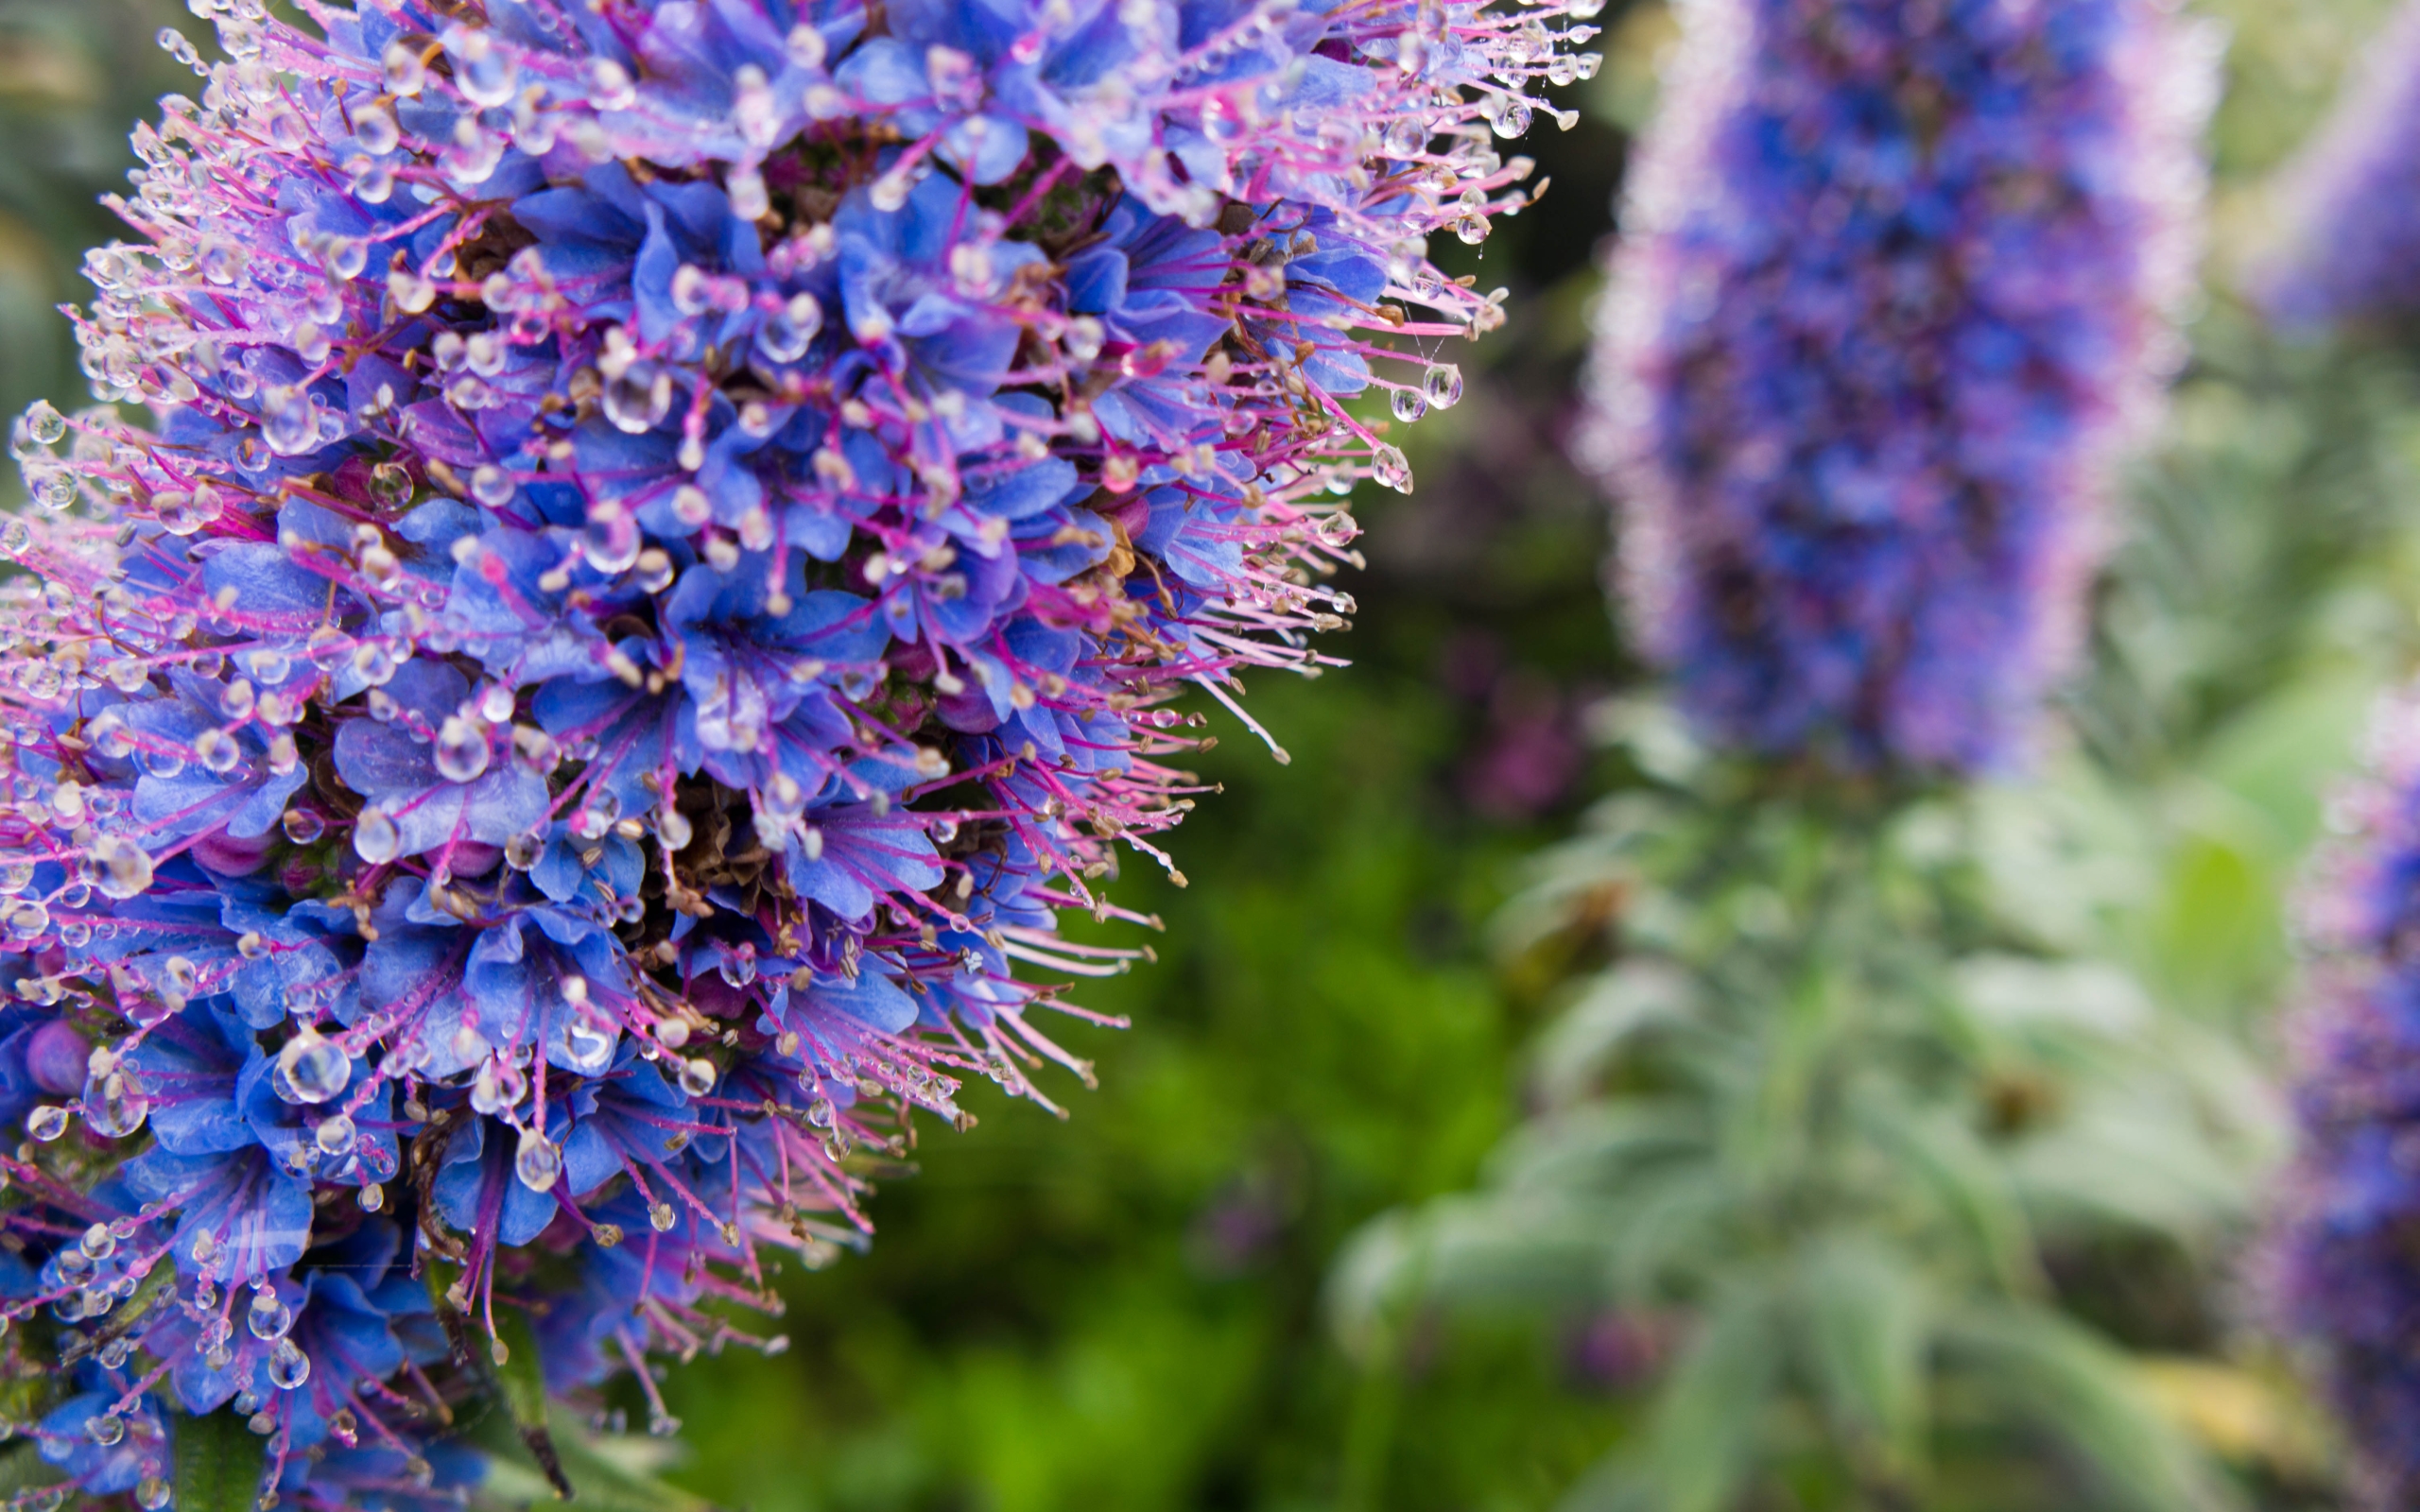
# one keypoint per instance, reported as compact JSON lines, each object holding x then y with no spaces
{"x":666,"y":545}
{"x":2339,"y":1262}
{"x":1895,"y":287}
{"x":2350,"y":199}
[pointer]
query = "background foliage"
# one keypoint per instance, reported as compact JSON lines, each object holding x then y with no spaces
{"x":1135,"y":1311}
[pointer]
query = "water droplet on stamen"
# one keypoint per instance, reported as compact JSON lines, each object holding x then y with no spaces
{"x":269,"y":1317}
{"x":538,"y":1163}
{"x":288,"y":1366}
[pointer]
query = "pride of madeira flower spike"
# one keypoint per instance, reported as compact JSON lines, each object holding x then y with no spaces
{"x":2349,"y":252}
{"x":1897,"y":279}
{"x":666,"y":542}
{"x":2342,"y":1268}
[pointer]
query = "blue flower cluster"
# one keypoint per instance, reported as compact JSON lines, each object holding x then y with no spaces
{"x":2350,"y":202}
{"x":2340,"y":1264}
{"x":670,"y":536}
{"x":1895,"y":281}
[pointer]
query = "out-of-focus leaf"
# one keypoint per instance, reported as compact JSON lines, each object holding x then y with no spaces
{"x":2087,"y":1394}
{"x":23,"y":1469}
{"x":1600,"y":1148}
{"x":2011,"y":992}
{"x":1864,"y":1310}
{"x":2239,"y":1414}
{"x":218,"y":1463}
{"x":1703,"y":1441}
{"x":45,"y":71}
{"x":1970,"y":1186}
{"x":2130,"y":1155}
{"x":1631,"y":997}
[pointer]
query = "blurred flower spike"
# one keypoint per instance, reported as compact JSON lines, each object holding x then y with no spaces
{"x":671,"y":533}
{"x":1896,"y":283}
{"x":2349,"y":203}
{"x":2340,"y":1266}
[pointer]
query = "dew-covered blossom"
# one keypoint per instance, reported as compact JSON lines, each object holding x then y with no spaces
{"x":666,"y":546}
{"x":1896,"y":279}
{"x":2349,"y":203}
{"x":2342,"y":1265}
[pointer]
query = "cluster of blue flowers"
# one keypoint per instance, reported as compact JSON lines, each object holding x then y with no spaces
{"x":2341,"y":1265}
{"x":1895,"y":282}
{"x":671,"y":535}
{"x":2350,"y":247}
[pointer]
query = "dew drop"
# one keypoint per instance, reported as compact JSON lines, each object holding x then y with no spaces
{"x":1409,"y":406}
{"x":373,"y":126}
{"x":334,"y":1136}
{"x":288,"y":1366}
{"x":390,"y":483}
{"x":375,"y":840}
{"x":288,"y":424}
{"x":1442,"y":384}
{"x":269,"y":1317}
{"x":406,"y":73}
{"x":588,"y":1046}
{"x":316,"y":1068}
{"x":637,"y":401}
{"x":522,"y":851}
{"x":218,"y":749}
{"x":45,"y":423}
{"x":374,"y":662}
{"x":461,"y":750}
{"x":122,"y":868}
{"x":483,"y":72}
{"x":538,"y":1163}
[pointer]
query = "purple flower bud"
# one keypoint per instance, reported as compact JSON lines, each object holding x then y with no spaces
{"x":1895,"y":283}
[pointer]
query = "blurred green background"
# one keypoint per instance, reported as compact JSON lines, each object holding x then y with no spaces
{"x":1133,"y":1310}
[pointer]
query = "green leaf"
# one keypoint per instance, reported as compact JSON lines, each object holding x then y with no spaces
{"x":1602,"y":1147}
{"x":2080,"y":1389}
{"x":1709,"y":1418}
{"x":1863,"y":1308}
{"x":511,"y":1365}
{"x":217,"y":1464}
{"x":1617,"y":1008}
{"x":1964,"y":1177}
{"x":23,"y":1469}
{"x":600,"y":1475}
{"x":521,"y":1380}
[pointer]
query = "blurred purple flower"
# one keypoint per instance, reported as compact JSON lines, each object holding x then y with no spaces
{"x":2350,"y":199}
{"x":1895,"y":283}
{"x":2341,"y":1261}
